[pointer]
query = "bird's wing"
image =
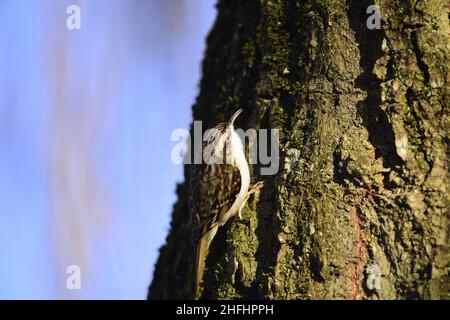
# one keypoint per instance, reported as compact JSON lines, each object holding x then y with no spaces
{"x":213,"y":190}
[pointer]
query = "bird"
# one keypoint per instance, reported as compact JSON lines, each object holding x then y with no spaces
{"x":219,"y":188}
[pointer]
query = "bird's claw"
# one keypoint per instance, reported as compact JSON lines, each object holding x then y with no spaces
{"x":256,"y":187}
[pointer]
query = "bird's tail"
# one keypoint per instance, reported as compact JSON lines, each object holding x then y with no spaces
{"x":202,"y":251}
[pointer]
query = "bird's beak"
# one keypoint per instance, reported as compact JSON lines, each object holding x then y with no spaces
{"x":235,"y":115}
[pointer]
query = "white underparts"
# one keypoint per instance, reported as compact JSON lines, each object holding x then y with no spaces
{"x":237,"y":151}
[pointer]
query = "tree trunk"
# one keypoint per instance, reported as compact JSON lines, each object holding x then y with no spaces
{"x":363,"y":179}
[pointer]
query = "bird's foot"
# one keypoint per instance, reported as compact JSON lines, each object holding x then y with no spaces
{"x":256,"y":187}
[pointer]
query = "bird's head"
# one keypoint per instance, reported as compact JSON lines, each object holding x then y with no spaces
{"x":218,"y":143}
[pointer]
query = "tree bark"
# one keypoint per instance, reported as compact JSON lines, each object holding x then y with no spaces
{"x":363,"y":179}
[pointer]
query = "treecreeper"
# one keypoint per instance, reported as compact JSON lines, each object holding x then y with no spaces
{"x":219,"y":188}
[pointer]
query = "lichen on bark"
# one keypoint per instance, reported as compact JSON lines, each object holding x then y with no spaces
{"x":363,"y":179}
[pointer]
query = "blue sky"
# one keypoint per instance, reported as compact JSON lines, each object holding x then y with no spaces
{"x":85,"y":122}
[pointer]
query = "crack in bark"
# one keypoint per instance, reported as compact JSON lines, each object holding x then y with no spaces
{"x":423,"y":67}
{"x":361,"y":246}
{"x":376,"y":121}
{"x":361,"y":250}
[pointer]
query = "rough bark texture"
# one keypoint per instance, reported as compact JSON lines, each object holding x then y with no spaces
{"x":363,"y":177}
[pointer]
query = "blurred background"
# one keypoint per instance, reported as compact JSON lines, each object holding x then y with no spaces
{"x":86,"y":116}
